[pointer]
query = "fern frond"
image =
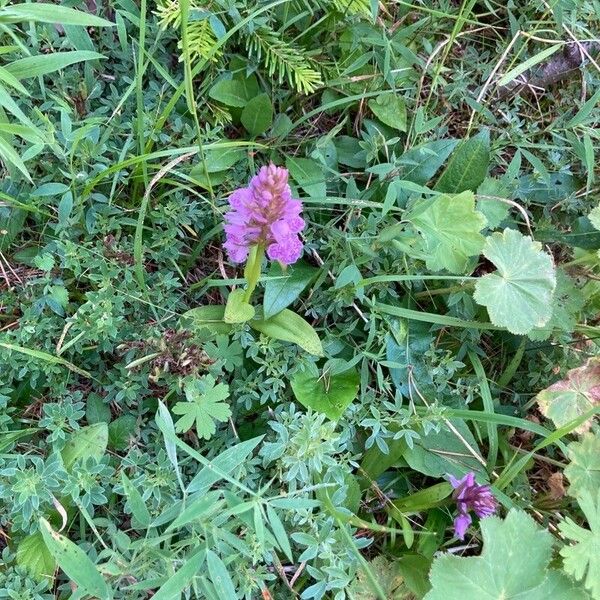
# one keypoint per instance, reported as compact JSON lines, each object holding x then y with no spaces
{"x":201,"y":40}
{"x":201,"y":37}
{"x":339,"y":7}
{"x":284,"y":60}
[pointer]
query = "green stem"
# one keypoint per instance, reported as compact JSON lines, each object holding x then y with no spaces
{"x":252,"y":270}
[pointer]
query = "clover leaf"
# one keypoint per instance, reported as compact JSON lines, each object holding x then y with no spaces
{"x":204,"y":406}
{"x":513,"y":566}
{"x":519,"y":294}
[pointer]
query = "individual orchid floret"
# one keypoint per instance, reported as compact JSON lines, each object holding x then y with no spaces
{"x":264,"y":215}
{"x":470,"y":496}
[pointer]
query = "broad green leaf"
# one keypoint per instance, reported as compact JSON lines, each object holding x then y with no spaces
{"x":230,"y":92}
{"x":237,"y":310}
{"x":172,"y":588}
{"x":34,"y":556}
{"x":437,"y":454}
{"x":513,"y":566}
{"x":74,"y":562}
{"x":219,"y":576}
{"x":573,"y":396}
{"x":420,"y":164}
{"x":96,"y":410}
{"x":308,"y":174}
{"x":566,"y":306}
{"x":583,"y":470}
{"x":467,"y":167}
{"x":135,"y":501}
{"x":290,"y":327}
{"x":120,"y":431}
{"x":582,"y":560}
{"x":450,"y":227}
{"x":257,"y":115}
{"x":41,"y":12}
{"x":204,"y":406}
{"x":327,"y":394}
{"x":44,"y":64}
{"x":422,"y":500}
{"x":226,"y":462}
{"x":390,"y":109}
{"x":519,"y":294}
{"x":87,"y":442}
{"x":283,"y":291}
{"x":219,"y":159}
{"x":594,"y":217}
{"x":209,"y":317}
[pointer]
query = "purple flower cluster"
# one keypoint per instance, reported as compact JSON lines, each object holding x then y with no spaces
{"x":264,"y":213}
{"x":470,"y":496}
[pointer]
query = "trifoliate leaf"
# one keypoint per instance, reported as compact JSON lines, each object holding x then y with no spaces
{"x":512,"y":566}
{"x":573,"y":396}
{"x":584,"y":556}
{"x":204,"y":406}
{"x":583,"y":470}
{"x":450,"y":226}
{"x":519,"y":294}
{"x":568,"y":302}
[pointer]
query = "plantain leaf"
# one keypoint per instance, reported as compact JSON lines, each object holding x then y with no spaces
{"x":74,"y":562}
{"x":34,"y":556}
{"x":87,"y":442}
{"x":468,"y":165}
{"x":290,"y":327}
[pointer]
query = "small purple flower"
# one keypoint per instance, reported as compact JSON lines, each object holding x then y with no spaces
{"x":264,"y":213}
{"x":470,"y":496}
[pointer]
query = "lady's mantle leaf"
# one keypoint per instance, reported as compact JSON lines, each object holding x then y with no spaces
{"x":584,"y":556}
{"x":519,"y":294}
{"x":204,"y":406}
{"x":573,"y":396}
{"x":450,"y":227}
{"x":583,"y":471}
{"x":330,"y":395}
{"x":506,"y":569}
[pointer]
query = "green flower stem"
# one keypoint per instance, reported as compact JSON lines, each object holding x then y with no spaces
{"x":252,"y":269}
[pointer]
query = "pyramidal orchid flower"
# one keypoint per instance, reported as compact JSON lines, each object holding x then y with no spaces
{"x":470,"y":496}
{"x":264,"y":216}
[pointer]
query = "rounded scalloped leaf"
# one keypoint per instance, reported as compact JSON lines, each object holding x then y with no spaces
{"x":506,"y":568}
{"x":583,"y":470}
{"x":519,"y":294}
{"x":572,"y":396}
